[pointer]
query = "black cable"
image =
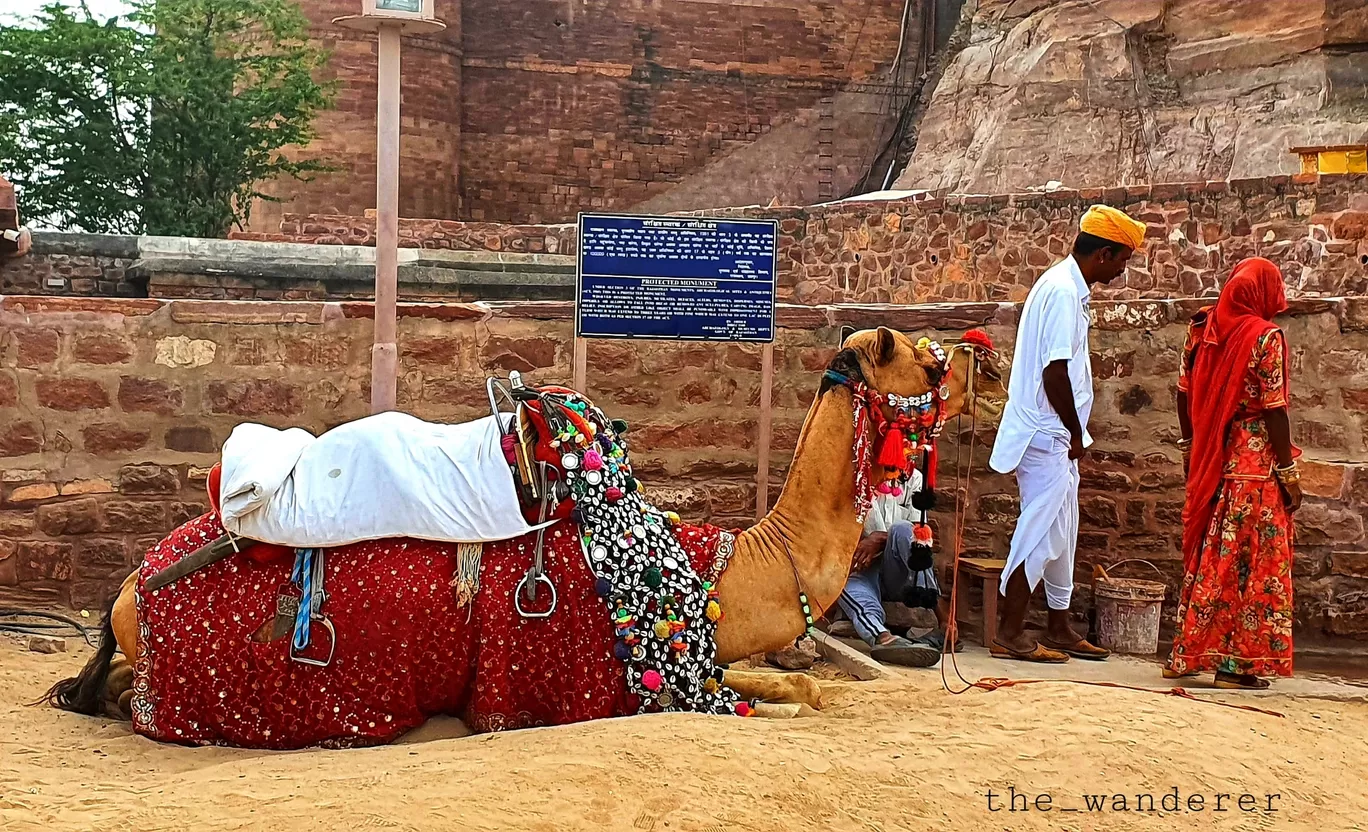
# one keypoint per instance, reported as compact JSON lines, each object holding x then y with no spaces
{"x":55,"y":622}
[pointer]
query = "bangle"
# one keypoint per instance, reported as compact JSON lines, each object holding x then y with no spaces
{"x":1184,"y":445}
{"x":1287,"y":475}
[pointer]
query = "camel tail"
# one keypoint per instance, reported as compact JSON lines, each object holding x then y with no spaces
{"x":84,"y":692}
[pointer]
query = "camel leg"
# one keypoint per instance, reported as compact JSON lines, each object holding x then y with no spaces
{"x":118,"y":691}
{"x":797,"y":688}
{"x":124,"y":615}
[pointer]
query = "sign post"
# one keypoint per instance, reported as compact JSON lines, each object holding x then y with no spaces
{"x":389,"y":19}
{"x":681,"y":279}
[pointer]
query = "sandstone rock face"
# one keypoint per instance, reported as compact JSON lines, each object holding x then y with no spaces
{"x":1096,"y":93}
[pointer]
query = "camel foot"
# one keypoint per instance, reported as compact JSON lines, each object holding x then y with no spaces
{"x":783,"y":688}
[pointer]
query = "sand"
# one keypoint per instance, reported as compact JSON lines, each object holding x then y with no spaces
{"x":897,"y":754}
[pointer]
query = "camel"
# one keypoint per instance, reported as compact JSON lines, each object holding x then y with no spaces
{"x":804,"y":545}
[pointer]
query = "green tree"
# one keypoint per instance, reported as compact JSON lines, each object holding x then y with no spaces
{"x":169,"y":121}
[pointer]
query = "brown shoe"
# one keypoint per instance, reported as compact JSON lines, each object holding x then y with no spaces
{"x":1040,"y":654}
{"x":1080,"y":649}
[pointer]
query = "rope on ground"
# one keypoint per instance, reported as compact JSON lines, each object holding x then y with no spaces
{"x":964,"y":475}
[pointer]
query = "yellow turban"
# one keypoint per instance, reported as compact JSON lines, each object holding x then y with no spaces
{"x":1110,"y":224}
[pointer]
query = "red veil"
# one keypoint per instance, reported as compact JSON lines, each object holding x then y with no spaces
{"x":1243,"y":314}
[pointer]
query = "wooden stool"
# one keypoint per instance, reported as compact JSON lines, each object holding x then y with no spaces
{"x":989,"y":573}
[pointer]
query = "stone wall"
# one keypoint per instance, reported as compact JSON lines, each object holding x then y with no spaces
{"x":965,"y":247}
{"x":112,"y":410}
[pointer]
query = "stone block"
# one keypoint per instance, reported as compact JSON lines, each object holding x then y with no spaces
{"x":146,"y":395}
{"x":101,"y":348}
{"x":44,"y":560}
{"x":255,"y":397}
{"x":148,"y":479}
{"x":134,"y":516}
{"x":193,"y":439}
{"x":37,"y":347}
{"x":20,"y":438}
{"x":32,"y":493}
{"x":46,"y":644}
{"x":69,"y":518}
{"x":77,"y":488}
{"x":71,"y":394}
{"x":111,"y":439}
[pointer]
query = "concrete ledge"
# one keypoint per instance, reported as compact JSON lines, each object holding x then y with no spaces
{"x":73,"y":244}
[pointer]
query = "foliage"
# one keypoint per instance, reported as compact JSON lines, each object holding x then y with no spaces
{"x":169,"y":121}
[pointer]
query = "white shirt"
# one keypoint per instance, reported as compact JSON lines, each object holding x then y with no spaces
{"x":1054,"y":325}
{"x":888,"y":509}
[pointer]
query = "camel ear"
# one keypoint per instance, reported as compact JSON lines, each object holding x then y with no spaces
{"x":846,"y":332}
{"x":884,"y":345}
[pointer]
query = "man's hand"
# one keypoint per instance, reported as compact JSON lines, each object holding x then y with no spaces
{"x":1076,"y":449}
{"x":869,"y":548}
{"x":1292,"y":494}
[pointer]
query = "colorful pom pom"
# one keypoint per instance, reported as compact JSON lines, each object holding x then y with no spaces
{"x":662,"y":629}
{"x":714,"y":611}
{"x":621,"y":651}
{"x":710,"y":686}
{"x":651,"y":680}
{"x":613,"y":494}
{"x":593,"y":460}
{"x":743,"y":709}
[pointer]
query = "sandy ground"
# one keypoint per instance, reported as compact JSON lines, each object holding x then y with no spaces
{"x":897,"y":754}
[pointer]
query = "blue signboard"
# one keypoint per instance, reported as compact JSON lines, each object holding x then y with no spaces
{"x":675,"y":278}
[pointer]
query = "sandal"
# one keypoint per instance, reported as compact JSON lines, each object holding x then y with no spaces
{"x":1173,"y":674}
{"x":1039,"y":654}
{"x":900,"y":651}
{"x":1240,"y":681}
{"x":1080,"y":649}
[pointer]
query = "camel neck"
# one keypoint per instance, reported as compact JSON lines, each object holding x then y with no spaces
{"x":813,"y":529}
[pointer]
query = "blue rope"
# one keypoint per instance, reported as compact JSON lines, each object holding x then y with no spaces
{"x":303,"y":576}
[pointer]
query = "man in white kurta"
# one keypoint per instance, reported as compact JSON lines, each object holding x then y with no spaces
{"x":1044,"y":433}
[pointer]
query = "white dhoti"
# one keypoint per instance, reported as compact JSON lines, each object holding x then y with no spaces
{"x":1046,"y":535}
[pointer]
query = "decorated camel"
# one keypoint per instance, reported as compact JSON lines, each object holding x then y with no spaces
{"x":405,"y":630}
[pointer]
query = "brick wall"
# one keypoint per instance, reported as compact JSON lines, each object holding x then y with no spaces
{"x":946,"y":247}
{"x":531,"y":110}
{"x":111,"y":411}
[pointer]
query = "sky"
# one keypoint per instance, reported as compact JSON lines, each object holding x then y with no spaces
{"x":26,"y":8}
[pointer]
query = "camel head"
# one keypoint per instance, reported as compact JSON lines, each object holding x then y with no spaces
{"x":988,"y":386}
{"x":887,"y":361}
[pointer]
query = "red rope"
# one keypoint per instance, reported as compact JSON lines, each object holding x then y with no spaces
{"x":963,"y":474}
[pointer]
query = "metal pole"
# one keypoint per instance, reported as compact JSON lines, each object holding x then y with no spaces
{"x":579,"y":366}
{"x":385,"y":352}
{"x":766,"y":419}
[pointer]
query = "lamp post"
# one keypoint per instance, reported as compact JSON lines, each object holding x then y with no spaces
{"x":390,"y":19}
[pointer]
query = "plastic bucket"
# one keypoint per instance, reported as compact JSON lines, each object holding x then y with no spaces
{"x":1128,"y":611}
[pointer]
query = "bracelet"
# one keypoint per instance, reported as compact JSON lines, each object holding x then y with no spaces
{"x":1289,"y":475}
{"x":1184,"y":445}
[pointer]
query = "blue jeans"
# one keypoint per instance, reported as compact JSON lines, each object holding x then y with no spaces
{"x":862,"y":598}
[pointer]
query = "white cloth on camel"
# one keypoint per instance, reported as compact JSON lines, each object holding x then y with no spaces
{"x":388,"y":475}
{"x":1046,"y":535}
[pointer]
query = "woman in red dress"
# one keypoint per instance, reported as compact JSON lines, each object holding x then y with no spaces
{"x":1235,"y":609}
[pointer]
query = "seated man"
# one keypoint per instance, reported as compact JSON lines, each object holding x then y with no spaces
{"x":899,"y":569}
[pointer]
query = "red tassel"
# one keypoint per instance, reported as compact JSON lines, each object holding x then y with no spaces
{"x":893,"y":452}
